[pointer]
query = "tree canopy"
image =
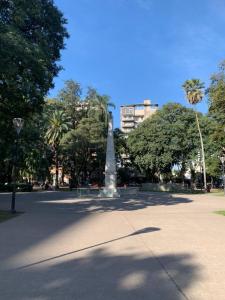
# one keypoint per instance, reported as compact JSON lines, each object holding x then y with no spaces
{"x":32,"y":34}
{"x":216,"y":96}
{"x":166,"y":139}
{"x":194,"y":90}
{"x":216,"y":92}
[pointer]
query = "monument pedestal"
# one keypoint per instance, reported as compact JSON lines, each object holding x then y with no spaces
{"x":110,"y":191}
{"x":107,"y":193}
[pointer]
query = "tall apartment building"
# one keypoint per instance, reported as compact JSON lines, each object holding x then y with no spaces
{"x":134,"y":114}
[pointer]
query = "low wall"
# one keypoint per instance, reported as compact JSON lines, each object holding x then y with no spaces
{"x":128,"y":190}
{"x":165,"y":187}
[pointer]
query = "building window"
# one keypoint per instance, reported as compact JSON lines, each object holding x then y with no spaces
{"x":128,"y":111}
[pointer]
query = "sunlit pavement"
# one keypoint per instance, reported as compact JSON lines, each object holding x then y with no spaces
{"x":146,"y":246}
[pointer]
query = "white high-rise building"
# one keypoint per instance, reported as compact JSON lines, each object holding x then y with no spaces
{"x":133,"y":114}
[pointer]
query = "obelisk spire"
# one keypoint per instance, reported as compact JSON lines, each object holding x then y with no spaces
{"x":110,"y":189}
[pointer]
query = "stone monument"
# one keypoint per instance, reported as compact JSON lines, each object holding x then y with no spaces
{"x":110,"y":190}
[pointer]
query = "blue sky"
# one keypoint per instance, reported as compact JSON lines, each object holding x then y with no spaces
{"x":133,"y":50}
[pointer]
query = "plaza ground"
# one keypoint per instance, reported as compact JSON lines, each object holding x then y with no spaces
{"x":147,"y":246}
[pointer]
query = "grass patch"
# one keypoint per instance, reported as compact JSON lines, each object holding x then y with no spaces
{"x":220,"y":212}
{"x":217,"y":193}
{"x":6,"y":215}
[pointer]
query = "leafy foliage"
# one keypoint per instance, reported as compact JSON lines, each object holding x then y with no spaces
{"x":70,"y":133}
{"x":32,"y":35}
{"x":167,"y":139}
{"x":58,"y":124}
{"x":194,"y":90}
{"x":216,"y":93}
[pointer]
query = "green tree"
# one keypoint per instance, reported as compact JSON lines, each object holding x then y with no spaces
{"x":121,"y":148}
{"x":194,"y":93}
{"x":85,"y":148}
{"x":216,"y":96}
{"x":98,"y":105}
{"x":70,"y":98}
{"x":58,"y":125}
{"x":32,"y":34}
{"x":216,"y":92}
{"x":163,"y":141}
{"x":212,"y":148}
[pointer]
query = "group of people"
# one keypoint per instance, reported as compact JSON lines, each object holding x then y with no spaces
{"x":46,"y":186}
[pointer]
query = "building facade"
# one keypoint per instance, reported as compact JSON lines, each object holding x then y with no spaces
{"x":134,"y":114}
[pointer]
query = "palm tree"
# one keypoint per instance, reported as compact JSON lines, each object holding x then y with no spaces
{"x":58,"y":125}
{"x":99,"y":104}
{"x":194,"y":90}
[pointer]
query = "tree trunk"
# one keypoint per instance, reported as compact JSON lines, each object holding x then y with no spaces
{"x":56,"y":169}
{"x":63,"y":176}
{"x":182,"y":171}
{"x":203,"y":152}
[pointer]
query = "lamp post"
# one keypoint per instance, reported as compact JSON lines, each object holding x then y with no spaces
{"x":222,"y":159}
{"x":18,"y":124}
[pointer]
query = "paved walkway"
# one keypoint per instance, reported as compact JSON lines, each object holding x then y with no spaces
{"x":148,"y":246}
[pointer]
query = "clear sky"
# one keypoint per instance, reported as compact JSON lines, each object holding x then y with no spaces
{"x":133,"y":50}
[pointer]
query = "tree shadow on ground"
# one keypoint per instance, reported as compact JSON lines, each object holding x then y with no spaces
{"x":125,"y":203}
{"x":137,"y":232}
{"x":48,"y":201}
{"x":50,"y":213}
{"x":101,"y":275}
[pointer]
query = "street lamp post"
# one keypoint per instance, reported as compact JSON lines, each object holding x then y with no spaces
{"x":18,"y":124}
{"x":222,"y":159}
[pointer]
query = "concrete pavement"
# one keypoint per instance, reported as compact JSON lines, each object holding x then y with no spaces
{"x":146,"y":246}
